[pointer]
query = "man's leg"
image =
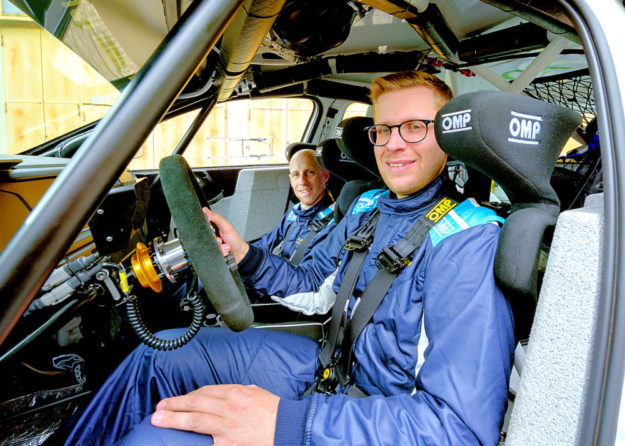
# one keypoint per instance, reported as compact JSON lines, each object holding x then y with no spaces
{"x":281,"y":363}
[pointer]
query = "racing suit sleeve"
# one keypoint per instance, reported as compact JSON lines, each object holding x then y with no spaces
{"x":460,"y":392}
{"x":274,"y":276}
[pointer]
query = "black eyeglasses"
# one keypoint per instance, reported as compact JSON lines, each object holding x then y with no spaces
{"x":414,"y":130}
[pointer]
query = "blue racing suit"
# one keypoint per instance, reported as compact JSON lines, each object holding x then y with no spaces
{"x":458,"y":397}
{"x":294,"y":228}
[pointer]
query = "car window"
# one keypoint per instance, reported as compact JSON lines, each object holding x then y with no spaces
{"x":357,"y":109}
{"x":241,"y":132}
{"x":46,"y":90}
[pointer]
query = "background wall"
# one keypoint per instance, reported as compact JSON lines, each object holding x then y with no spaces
{"x":46,"y":91}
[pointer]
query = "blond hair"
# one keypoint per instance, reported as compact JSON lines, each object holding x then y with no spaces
{"x":410,"y":79}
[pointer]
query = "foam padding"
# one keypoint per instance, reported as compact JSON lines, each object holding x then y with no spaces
{"x":224,"y":288}
{"x":553,"y":387}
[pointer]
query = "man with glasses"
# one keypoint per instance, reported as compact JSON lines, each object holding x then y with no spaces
{"x":272,"y":389}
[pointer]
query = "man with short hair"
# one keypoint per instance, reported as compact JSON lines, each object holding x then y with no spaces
{"x":300,"y":228}
{"x":272,"y":389}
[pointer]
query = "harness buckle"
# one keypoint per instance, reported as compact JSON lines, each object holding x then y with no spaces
{"x":326,"y":380}
{"x":391,"y":261}
{"x":318,"y":225}
{"x":357,"y":243}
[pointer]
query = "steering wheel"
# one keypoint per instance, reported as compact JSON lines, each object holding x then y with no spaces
{"x":222,"y":285}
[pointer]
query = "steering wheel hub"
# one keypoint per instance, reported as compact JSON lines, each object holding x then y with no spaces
{"x":144,"y":269}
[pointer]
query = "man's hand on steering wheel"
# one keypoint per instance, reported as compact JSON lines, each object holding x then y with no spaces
{"x":229,"y":239}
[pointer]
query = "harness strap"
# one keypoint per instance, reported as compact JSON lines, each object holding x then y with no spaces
{"x":298,"y":254}
{"x":363,"y":237}
{"x":315,"y":227}
{"x":278,"y":249}
{"x":391,"y":261}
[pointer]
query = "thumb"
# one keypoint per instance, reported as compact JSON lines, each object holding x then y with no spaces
{"x":217,"y":219}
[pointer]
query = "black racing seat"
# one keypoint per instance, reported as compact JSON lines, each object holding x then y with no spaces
{"x":295,"y":147}
{"x":354,"y":143}
{"x":350,"y":157}
{"x":515,"y":140}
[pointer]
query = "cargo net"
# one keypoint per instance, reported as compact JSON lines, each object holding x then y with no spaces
{"x":578,"y":171}
{"x":572,"y":90}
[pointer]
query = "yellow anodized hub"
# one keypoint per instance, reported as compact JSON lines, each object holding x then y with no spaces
{"x":144,"y":269}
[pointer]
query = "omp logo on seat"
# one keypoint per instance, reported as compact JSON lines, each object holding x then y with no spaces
{"x":441,"y":208}
{"x":524,"y":129}
{"x":456,"y":122}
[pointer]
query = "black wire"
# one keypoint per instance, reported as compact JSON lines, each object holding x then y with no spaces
{"x":32,"y":336}
{"x":24,"y":202}
{"x":149,"y":339}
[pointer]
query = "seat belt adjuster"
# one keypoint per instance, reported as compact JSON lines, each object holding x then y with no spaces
{"x":391,"y":261}
{"x":356,"y":242}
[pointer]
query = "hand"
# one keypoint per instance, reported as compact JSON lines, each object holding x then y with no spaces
{"x":231,"y":413}
{"x":229,"y":239}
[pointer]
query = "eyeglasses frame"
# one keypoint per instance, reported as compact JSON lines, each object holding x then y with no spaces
{"x":427,"y":122}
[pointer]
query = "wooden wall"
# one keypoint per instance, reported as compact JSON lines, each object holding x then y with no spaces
{"x":47,"y":90}
{"x":240,"y":132}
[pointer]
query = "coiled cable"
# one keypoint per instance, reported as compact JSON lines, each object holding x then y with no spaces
{"x":149,"y":339}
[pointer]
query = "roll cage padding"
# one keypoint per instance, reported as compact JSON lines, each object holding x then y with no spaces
{"x":515,"y":140}
{"x":185,"y":200}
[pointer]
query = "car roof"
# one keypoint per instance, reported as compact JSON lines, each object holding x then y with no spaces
{"x":360,"y":39}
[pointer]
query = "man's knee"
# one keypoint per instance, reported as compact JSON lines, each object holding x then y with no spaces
{"x":144,"y":433}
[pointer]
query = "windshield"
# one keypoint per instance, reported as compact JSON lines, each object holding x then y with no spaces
{"x":47,"y":90}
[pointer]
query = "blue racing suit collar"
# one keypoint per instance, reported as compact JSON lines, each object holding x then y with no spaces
{"x":413,"y":203}
{"x":311,"y":212}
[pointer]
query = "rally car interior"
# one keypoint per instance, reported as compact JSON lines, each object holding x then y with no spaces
{"x":135,"y":254}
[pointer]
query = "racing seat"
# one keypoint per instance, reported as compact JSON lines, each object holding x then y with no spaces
{"x":350,"y":156}
{"x":294,"y":147}
{"x":355,"y":179}
{"x":515,"y":140}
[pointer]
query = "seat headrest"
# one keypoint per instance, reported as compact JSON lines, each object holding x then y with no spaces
{"x":353,"y":141}
{"x":350,"y":192}
{"x":295,"y":147}
{"x":330,"y":157}
{"x":513,"y":139}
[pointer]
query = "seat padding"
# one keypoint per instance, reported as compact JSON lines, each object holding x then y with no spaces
{"x":330,"y":157}
{"x":353,"y":141}
{"x":515,"y":140}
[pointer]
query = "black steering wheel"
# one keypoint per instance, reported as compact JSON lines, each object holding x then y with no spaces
{"x":223,"y":286}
